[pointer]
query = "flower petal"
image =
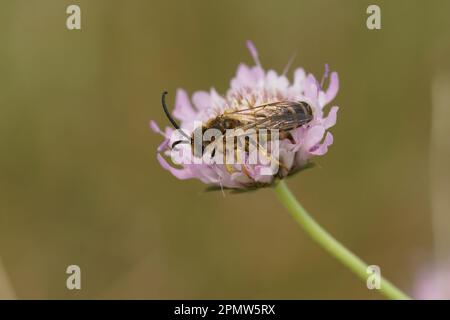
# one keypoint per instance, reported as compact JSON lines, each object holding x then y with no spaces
{"x":183,"y":110}
{"x":163,"y":146}
{"x":154,"y":127}
{"x":201,"y":100}
{"x":323,"y":147}
{"x":330,"y":120}
{"x":333,"y":88}
{"x":181,"y":174}
{"x":314,"y":136}
{"x":311,"y":88}
{"x":243,"y":77}
{"x":299,"y":78}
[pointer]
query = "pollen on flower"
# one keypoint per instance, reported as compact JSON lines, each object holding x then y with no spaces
{"x":252,"y":88}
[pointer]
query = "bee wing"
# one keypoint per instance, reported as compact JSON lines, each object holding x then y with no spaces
{"x":278,"y":104}
{"x":263,"y":110}
{"x":271,"y":115}
{"x":255,"y":108}
{"x":259,"y":116}
{"x":271,"y":123}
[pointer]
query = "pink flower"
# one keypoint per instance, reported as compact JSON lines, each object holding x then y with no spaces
{"x":433,"y":283}
{"x":253,"y":86}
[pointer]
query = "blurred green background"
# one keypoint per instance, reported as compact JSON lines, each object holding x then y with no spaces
{"x":79,"y":179}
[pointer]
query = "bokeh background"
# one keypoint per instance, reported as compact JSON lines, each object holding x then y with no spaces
{"x":79,"y":179}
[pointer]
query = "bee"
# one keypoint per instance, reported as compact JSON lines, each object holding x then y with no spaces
{"x":283,"y":116}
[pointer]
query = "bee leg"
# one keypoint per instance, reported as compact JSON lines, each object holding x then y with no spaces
{"x":269,"y":157}
{"x":229,"y":168}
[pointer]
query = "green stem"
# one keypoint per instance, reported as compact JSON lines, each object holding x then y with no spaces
{"x":326,"y":241}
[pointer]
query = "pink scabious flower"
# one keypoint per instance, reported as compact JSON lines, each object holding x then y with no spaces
{"x":433,"y":282}
{"x":253,"y":86}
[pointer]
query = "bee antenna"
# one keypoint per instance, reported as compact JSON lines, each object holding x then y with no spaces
{"x":179,"y":142}
{"x":172,"y":121}
{"x":166,"y":111}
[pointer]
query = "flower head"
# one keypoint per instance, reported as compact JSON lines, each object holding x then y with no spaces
{"x":252,"y":87}
{"x":433,"y":282}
